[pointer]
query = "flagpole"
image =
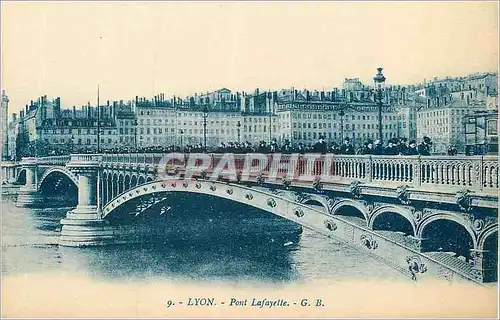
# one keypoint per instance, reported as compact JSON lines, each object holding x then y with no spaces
{"x":98,"y":122}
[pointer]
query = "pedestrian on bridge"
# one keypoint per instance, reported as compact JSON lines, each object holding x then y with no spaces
{"x":424,"y":148}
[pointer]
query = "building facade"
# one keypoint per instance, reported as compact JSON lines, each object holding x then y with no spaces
{"x":449,"y":103}
{"x":434,"y":108}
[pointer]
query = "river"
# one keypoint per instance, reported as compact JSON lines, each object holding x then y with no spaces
{"x":204,"y":240}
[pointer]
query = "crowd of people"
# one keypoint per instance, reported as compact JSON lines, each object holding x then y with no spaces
{"x":394,"y":146}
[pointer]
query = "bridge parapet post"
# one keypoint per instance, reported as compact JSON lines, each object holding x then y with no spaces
{"x":28,"y":195}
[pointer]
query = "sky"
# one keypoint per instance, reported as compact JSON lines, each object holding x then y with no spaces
{"x":67,"y":49}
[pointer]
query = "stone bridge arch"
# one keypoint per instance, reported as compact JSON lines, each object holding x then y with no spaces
{"x":63,"y":171}
{"x":487,"y":253}
{"x":21,"y":176}
{"x":447,"y":232}
{"x":447,"y":216}
{"x":318,"y":200}
{"x":389,"y":212}
{"x":342,"y":204}
{"x":488,"y":232}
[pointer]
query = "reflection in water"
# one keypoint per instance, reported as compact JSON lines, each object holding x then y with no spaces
{"x":203,"y":240}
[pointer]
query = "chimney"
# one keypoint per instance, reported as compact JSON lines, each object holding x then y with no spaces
{"x":21,"y":113}
{"x":322,"y":95}
{"x":74,"y":112}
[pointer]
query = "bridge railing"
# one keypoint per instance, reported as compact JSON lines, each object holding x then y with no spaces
{"x":54,"y":160}
{"x":87,"y":157}
{"x":473,"y":172}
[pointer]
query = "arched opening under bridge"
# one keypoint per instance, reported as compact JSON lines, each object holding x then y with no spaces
{"x":490,"y":258}
{"x":58,"y":189}
{"x":448,"y":236}
{"x":393,"y":221}
{"x":186,"y":217}
{"x":351,"y":213}
{"x":21,"y":177}
{"x":316,"y":205}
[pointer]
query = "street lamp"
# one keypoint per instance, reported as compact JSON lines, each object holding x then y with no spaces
{"x":342,"y":114}
{"x":182,"y":133}
{"x":379,"y":80}
{"x":135,"y":135}
{"x":205,"y":114}
{"x":238,"y":125}
{"x":270,"y":124}
{"x":98,"y":123}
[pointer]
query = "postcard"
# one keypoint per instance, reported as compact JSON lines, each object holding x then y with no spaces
{"x":326,"y":159}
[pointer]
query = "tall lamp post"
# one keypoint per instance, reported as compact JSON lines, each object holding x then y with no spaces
{"x":379,"y":80}
{"x":205,"y":114}
{"x":182,"y":133}
{"x":342,"y":114}
{"x":270,"y":125}
{"x":98,"y":123}
{"x":135,"y":135}
{"x":238,"y":125}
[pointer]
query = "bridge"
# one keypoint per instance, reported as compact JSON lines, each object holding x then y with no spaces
{"x":434,"y":216}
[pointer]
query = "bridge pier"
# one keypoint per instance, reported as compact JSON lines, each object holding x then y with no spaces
{"x":483,"y":270}
{"x":83,"y":225}
{"x":28,"y":195}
